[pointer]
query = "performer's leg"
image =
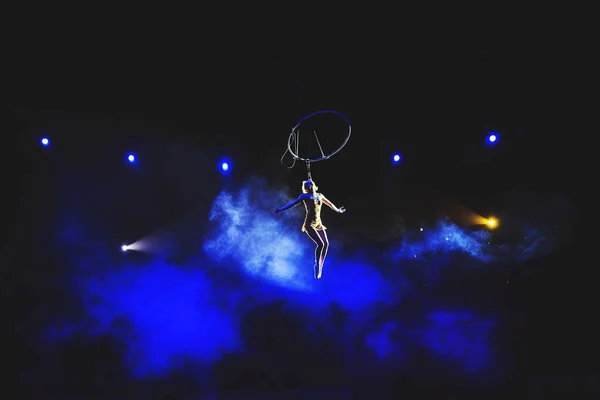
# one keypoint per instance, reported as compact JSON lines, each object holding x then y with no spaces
{"x":323,"y":236}
{"x":318,"y":250}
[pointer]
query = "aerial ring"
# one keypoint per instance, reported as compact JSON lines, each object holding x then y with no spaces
{"x":291,"y":137}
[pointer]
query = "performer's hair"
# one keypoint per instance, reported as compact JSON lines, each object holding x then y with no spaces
{"x":309,"y":187}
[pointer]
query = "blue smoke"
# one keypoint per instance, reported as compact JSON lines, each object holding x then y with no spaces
{"x":445,"y":238}
{"x":520,"y":238}
{"x":273,"y":249}
{"x":264,"y":246}
{"x":166,"y":314}
{"x":171,"y":314}
{"x":461,"y":338}
{"x":382,"y":342}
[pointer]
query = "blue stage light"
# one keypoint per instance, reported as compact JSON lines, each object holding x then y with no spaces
{"x":396,"y":158}
{"x":225,"y":166}
{"x":492,"y":138}
{"x":131,"y":158}
{"x":45,"y":141}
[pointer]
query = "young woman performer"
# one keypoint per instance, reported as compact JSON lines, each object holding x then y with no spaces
{"x":313,"y":226}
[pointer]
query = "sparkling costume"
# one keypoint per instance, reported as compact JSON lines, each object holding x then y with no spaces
{"x":313,"y":212}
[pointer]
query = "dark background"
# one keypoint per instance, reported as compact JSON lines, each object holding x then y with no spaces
{"x":429,"y":82}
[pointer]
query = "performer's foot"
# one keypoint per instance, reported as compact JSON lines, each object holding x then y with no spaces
{"x":318,"y":272}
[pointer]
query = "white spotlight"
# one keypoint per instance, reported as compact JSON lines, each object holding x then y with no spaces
{"x":124,"y":248}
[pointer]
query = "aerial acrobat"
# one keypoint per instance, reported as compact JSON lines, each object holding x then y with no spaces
{"x":311,"y":198}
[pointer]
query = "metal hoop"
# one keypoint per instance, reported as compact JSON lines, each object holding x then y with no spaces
{"x":309,"y":160}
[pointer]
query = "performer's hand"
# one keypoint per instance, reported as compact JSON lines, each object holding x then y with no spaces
{"x":276,"y":211}
{"x":342,"y":210}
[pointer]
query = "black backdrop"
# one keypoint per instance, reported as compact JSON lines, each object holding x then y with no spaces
{"x":428,"y":84}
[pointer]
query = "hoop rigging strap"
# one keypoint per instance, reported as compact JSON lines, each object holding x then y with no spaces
{"x":296,"y":140}
{"x":319,"y":143}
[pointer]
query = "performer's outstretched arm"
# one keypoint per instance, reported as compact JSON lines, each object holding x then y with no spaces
{"x":332,"y":206}
{"x":291,"y":205}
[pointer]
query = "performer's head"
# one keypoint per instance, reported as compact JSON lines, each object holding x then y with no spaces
{"x":309,"y":187}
